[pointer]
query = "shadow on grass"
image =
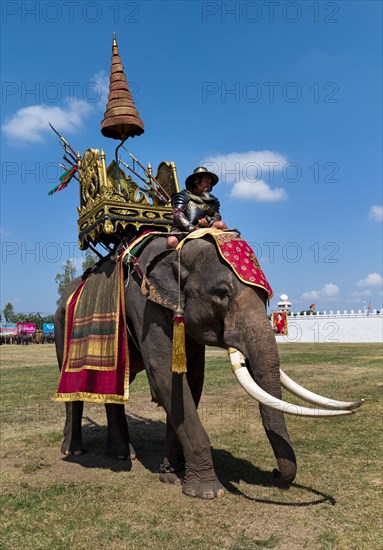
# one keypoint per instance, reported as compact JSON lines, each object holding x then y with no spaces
{"x":147,"y":437}
{"x":231,"y":469}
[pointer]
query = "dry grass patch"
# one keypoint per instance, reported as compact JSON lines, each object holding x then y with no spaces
{"x":49,"y":501}
{"x":29,"y":356}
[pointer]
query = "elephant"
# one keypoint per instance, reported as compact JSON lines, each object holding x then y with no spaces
{"x":219,"y":310}
{"x":25,"y":338}
{"x":48,"y":338}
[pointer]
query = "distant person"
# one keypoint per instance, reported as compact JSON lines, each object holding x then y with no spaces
{"x":195,"y":207}
{"x":280,"y":324}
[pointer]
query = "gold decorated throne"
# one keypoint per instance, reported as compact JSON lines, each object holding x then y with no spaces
{"x":114,"y":207}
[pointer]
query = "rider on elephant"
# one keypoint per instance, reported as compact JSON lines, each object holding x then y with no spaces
{"x":195,"y":207}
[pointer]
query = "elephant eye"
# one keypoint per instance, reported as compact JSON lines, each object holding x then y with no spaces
{"x":222,"y":291}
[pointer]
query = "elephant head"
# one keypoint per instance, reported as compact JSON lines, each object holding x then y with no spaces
{"x":210,"y":309}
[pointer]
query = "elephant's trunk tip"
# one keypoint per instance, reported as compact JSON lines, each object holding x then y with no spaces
{"x":280,"y":481}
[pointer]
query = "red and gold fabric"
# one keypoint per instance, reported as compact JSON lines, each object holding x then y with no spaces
{"x":96,"y":357}
{"x":237,"y":254}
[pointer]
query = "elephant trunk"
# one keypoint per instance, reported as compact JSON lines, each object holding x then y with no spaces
{"x":265,"y":371}
{"x":257,"y":342}
{"x":276,"y":432}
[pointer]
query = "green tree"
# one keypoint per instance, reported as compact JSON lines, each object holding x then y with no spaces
{"x":62,"y":279}
{"x":9,"y":313}
{"x":90,"y":260}
{"x":49,"y":318}
{"x":34,"y":317}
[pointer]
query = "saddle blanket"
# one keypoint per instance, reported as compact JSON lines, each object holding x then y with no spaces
{"x":96,"y":356}
{"x":237,"y":254}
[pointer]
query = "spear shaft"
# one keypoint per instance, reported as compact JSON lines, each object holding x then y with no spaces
{"x":151,"y":191}
{"x":70,"y":154}
{"x":69,"y":161}
{"x":150,"y":176}
{"x":63,"y":140}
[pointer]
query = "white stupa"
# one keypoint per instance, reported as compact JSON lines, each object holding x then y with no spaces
{"x":284,"y":304}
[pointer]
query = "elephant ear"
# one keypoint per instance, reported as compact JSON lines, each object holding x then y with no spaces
{"x":160,"y":281}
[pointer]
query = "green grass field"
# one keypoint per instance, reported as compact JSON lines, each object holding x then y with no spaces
{"x":94,"y":502}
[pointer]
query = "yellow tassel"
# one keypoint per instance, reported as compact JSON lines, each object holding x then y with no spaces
{"x":179,"y":352}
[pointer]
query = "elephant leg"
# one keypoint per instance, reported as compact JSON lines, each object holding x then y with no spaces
{"x":72,"y":444}
{"x":173,"y":467}
{"x":200,"y":479}
{"x":153,"y":329}
{"x":173,"y":393}
{"x":118,"y":440}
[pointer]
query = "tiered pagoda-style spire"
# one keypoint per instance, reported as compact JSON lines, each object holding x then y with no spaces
{"x":121,"y":118}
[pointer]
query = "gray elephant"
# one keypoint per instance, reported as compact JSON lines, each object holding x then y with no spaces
{"x":25,"y":338}
{"x":48,"y":338}
{"x":220,"y":310}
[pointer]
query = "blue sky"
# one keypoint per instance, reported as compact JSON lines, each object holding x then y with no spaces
{"x":282,"y":99}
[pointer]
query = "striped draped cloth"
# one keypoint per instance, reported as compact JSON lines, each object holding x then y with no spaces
{"x":96,"y":358}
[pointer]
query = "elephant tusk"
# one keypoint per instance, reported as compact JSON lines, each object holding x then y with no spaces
{"x":243,"y":376}
{"x":314,"y":398}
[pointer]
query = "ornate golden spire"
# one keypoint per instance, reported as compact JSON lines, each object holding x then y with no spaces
{"x":121,"y":118}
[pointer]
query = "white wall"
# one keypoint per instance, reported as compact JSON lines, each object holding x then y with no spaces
{"x":347,"y":327}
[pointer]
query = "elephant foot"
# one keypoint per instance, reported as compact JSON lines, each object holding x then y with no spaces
{"x":279,"y":481}
{"x":123,"y":452}
{"x":207,"y":489}
{"x":72,"y":451}
{"x":173,"y":475}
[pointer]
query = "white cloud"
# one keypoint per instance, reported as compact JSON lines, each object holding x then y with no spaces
{"x":247,"y":172}
{"x":376,"y":213}
{"x":251,"y":165}
{"x":30,"y":124}
{"x":328,"y":291}
{"x":258,"y":190}
{"x":373,"y":279}
{"x":101,"y":82}
{"x":310,"y":295}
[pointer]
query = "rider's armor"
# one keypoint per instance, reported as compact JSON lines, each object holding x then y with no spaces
{"x":188,"y":209}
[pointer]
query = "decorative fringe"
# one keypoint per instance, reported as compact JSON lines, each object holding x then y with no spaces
{"x":179,"y":352}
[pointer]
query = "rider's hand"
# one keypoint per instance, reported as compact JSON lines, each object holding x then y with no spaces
{"x":203,"y":222}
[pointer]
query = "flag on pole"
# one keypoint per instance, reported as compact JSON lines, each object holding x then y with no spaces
{"x":64,"y":180}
